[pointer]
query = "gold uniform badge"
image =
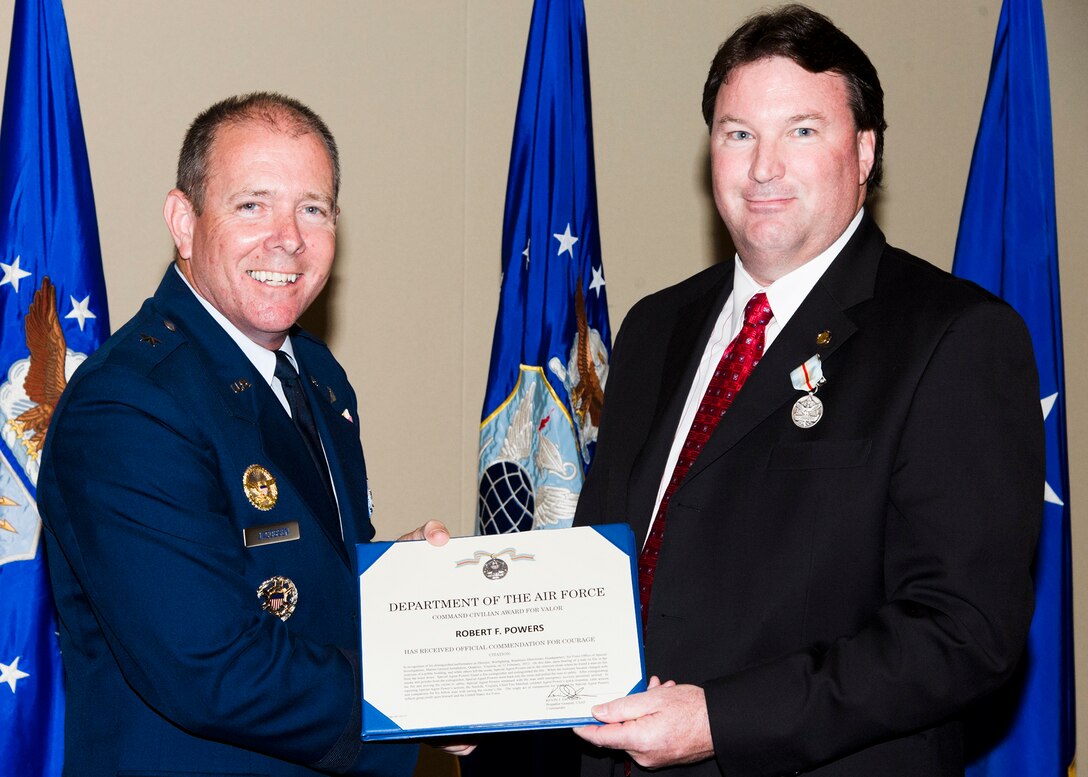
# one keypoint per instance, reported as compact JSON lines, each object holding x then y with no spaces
{"x":260,"y":487}
{"x":278,"y":596}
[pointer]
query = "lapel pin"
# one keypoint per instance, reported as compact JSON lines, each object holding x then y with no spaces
{"x":824,"y":337}
{"x":152,"y":341}
{"x":240,"y":385}
{"x":347,"y":415}
{"x":169,"y":325}
{"x":332,"y":395}
{"x":808,"y":410}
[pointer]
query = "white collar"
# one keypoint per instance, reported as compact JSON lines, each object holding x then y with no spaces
{"x":787,"y":293}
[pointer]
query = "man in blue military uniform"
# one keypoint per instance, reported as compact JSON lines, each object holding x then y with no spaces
{"x":203,"y":485}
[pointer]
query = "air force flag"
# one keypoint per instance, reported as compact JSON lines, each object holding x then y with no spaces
{"x":549,"y":357}
{"x":52,"y":313}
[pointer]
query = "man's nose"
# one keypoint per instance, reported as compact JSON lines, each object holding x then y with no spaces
{"x":767,"y":164}
{"x":286,"y":234}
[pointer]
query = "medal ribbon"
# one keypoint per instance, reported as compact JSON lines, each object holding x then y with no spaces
{"x":809,"y":376}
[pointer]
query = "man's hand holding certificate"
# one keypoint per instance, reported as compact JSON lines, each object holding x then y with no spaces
{"x":500,"y":632}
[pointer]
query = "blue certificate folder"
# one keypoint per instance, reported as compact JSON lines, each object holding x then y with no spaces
{"x":468,"y":653}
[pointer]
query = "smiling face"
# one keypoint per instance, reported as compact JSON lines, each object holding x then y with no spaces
{"x":788,"y":163}
{"x":262,"y":248}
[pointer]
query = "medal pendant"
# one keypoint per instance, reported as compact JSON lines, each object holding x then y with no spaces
{"x":807,"y":411}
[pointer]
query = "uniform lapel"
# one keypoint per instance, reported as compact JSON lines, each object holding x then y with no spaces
{"x":285,"y":448}
{"x":248,"y":397}
{"x":342,"y":449}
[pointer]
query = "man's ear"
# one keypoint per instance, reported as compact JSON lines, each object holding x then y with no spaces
{"x":180,"y":215}
{"x":866,"y":154}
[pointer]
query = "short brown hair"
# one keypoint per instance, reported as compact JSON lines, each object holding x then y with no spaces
{"x":282,"y":112}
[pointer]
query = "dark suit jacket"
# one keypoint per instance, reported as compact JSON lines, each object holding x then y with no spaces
{"x":842,"y":592}
{"x":172,"y":667}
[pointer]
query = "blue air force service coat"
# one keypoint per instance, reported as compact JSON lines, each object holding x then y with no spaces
{"x":172,"y":665}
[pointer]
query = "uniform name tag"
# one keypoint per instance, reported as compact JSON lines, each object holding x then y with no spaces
{"x":271,"y":534}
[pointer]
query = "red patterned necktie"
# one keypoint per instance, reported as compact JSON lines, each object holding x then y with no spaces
{"x":737,"y":363}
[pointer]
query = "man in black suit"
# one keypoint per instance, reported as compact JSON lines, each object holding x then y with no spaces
{"x":838,"y":564}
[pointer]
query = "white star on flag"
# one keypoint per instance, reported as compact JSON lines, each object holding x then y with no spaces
{"x":1049,"y":495}
{"x":12,"y":274}
{"x":80,"y":311}
{"x":598,"y":280}
{"x":10,"y":673}
{"x":566,"y":242}
{"x":525,"y":253}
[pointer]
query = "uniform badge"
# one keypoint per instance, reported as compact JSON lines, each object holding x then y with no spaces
{"x":260,"y":487}
{"x":278,"y":596}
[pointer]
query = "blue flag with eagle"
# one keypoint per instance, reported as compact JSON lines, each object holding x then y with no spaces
{"x":1008,"y":243}
{"x":53,"y":313}
{"x":549,"y":356}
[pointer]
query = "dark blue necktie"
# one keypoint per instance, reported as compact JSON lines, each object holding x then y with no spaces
{"x":303,"y":418}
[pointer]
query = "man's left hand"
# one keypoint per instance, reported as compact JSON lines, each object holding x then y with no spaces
{"x":665,"y":725}
{"x":435,"y":532}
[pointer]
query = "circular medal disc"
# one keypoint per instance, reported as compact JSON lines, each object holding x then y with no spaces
{"x":495,"y":569}
{"x":807,"y":411}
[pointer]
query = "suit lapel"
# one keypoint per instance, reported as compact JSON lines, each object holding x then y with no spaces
{"x":686,"y":343}
{"x":849,"y":280}
{"x":769,"y":386}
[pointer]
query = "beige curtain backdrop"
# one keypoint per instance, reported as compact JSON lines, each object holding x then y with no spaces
{"x":421,"y":96}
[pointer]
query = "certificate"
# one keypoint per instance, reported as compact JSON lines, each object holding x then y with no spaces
{"x":497,"y":632}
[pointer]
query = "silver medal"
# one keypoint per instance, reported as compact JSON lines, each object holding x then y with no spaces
{"x":807,"y":411}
